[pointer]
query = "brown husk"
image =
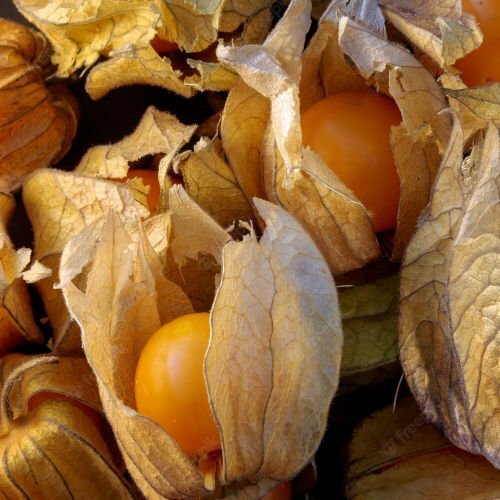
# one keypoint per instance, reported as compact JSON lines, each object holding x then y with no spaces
{"x":37,"y":122}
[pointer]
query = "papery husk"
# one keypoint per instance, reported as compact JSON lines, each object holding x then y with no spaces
{"x":419,"y":142}
{"x":440,"y":29}
{"x":449,"y":340}
{"x":273,"y":362}
{"x":37,"y":123}
{"x":338,"y":222}
{"x":140,"y":64}
{"x":54,"y":450}
{"x":290,"y":269}
{"x":325,"y":67}
{"x":59,"y":206}
{"x":483,"y":101}
{"x":210,"y":182}
{"x":474,"y":106}
{"x":125,"y":30}
{"x":195,"y":253}
{"x":370,"y":324}
{"x":118,"y":310}
{"x":157,"y":132}
{"x":396,"y":454}
{"x":15,"y":299}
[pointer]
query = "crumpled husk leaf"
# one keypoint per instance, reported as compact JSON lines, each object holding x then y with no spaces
{"x":243,"y":126}
{"x":474,"y":106}
{"x":449,"y":340}
{"x":325,"y":68}
{"x":15,"y":299}
{"x":139,"y":63}
{"x":195,"y":253}
{"x":125,"y":30}
{"x":118,"y":310}
{"x":195,"y":25}
{"x":440,"y":29}
{"x":418,"y":143}
{"x":59,"y":206}
{"x":157,"y":132}
{"x":210,"y":182}
{"x":370,"y":323}
{"x":55,"y":449}
{"x":37,"y":123}
{"x":289,"y":268}
{"x":396,"y":454}
{"x":483,"y":101}
{"x":338,"y":222}
{"x":135,"y":64}
{"x":81,"y":34}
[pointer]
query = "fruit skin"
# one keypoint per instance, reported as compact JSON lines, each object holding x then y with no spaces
{"x":281,"y":492}
{"x":149,"y":178}
{"x":482,"y":66}
{"x":350,"y":131}
{"x":170,"y":386}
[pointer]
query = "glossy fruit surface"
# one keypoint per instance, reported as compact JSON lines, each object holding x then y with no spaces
{"x":170,"y":386}
{"x":351,"y":133}
{"x":482,"y":66}
{"x":281,"y":492}
{"x":149,"y":178}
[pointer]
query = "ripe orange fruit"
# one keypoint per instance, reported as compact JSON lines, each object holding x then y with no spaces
{"x":170,"y":386}
{"x":350,"y":131}
{"x":482,"y":66}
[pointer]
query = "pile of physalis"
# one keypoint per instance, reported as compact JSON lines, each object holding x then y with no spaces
{"x":198,"y":335}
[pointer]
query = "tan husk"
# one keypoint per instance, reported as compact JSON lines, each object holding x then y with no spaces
{"x":37,"y":123}
{"x":61,"y":204}
{"x":54,"y":450}
{"x":157,"y":132}
{"x":337,"y":221}
{"x":273,"y":362}
{"x":449,"y":341}
{"x":194,"y":258}
{"x":396,"y":454}
{"x":440,"y":29}
{"x":304,"y":378}
{"x":212,"y":184}
{"x":325,"y":68}
{"x":125,"y":29}
{"x":484,"y":101}
{"x":15,"y":299}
